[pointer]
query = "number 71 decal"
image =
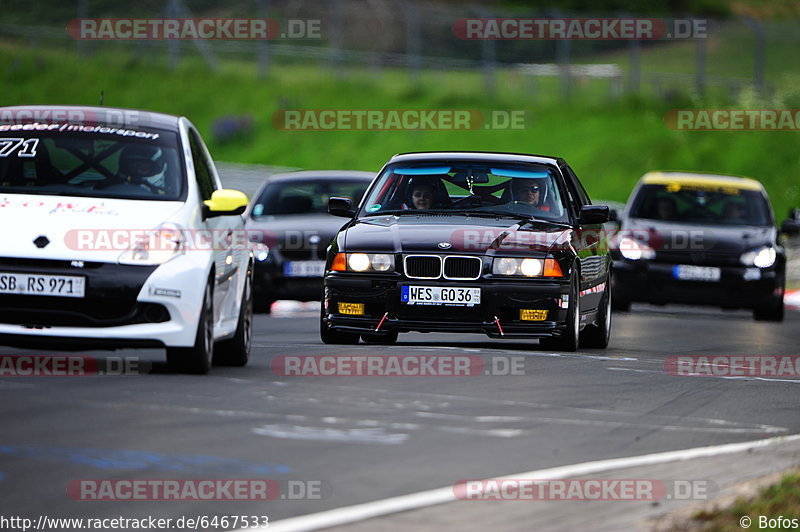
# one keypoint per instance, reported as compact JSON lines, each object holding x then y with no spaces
{"x":28,"y":147}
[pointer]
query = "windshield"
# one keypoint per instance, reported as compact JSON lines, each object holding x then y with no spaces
{"x":492,"y":188}
{"x":68,"y":160}
{"x":701,"y":203}
{"x":306,"y":196}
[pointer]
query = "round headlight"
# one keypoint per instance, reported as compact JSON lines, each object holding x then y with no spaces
{"x":765,"y":257}
{"x":633,"y":250}
{"x":262,"y":254}
{"x":358,"y":262}
{"x":381,"y":262}
{"x":531,"y":267}
{"x":506,"y":266}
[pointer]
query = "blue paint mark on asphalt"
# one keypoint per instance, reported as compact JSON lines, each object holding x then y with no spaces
{"x":141,"y":460}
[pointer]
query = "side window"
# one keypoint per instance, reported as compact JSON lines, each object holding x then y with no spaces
{"x":205,"y":180}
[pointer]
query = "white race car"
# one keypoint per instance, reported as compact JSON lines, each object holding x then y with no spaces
{"x":117,"y":233}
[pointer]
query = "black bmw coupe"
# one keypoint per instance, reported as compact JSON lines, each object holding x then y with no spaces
{"x":504,"y":244}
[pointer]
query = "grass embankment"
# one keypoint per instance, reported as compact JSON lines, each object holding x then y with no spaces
{"x":778,"y":501}
{"x":610,"y":142}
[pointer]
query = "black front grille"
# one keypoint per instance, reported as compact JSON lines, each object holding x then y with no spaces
{"x":45,"y":311}
{"x":462,"y":267}
{"x":110,"y":298}
{"x":699,"y":258}
{"x":423,"y":266}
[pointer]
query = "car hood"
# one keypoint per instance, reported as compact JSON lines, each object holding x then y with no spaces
{"x":431,"y":233}
{"x":294,"y":230}
{"x":717,"y":239}
{"x":77,"y":228}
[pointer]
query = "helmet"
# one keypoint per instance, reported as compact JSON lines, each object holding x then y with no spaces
{"x":141,"y":161}
{"x":522,"y":186}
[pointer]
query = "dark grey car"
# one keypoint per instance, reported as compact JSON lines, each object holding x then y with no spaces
{"x":289,"y":217}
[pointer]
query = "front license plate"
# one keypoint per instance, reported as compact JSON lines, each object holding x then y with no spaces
{"x":304,"y":268}
{"x":32,"y":284}
{"x":441,"y":295}
{"x":686,"y":272}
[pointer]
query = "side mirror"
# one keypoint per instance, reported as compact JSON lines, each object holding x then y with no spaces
{"x":613,"y":215}
{"x":790,"y":227}
{"x":225,"y":202}
{"x":341,"y":207}
{"x":594,"y":214}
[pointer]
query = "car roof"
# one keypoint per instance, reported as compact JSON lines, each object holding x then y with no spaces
{"x":476,"y":156}
{"x":114,"y":116}
{"x":325,"y":175}
{"x":690,"y":178}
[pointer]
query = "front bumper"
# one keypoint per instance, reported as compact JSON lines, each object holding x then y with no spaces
{"x":123,"y":305}
{"x":654,"y":282}
{"x":501,"y":300}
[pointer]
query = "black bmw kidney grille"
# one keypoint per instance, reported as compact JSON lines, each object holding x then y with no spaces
{"x":462,"y":267}
{"x":423,"y":266}
{"x":455,"y":267}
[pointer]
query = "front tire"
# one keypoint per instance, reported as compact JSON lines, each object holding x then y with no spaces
{"x":329,"y":336}
{"x":571,"y":338}
{"x":263,"y":306}
{"x":770,"y":312}
{"x":197,"y":359}
{"x":597,"y":336}
{"x":236,"y":351}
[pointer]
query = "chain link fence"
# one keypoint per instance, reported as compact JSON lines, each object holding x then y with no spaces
{"x":419,"y":37}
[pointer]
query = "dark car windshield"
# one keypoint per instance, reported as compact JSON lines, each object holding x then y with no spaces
{"x":308,"y":196}
{"x":470,"y":187}
{"x":94,"y":161}
{"x":701,"y":204}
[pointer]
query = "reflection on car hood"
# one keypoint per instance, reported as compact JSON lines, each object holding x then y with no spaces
{"x":432,"y":233}
{"x":717,"y":239}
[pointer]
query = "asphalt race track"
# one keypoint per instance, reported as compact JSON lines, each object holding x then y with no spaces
{"x":360,"y":439}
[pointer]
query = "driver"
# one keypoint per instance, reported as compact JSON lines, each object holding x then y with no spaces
{"x":530,"y":191}
{"x":421,"y":195}
{"x":143,"y":165}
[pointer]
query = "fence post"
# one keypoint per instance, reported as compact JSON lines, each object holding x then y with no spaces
{"x":700,"y":48}
{"x":335,"y":10}
{"x":758,"y":59}
{"x":562,"y":59}
{"x":413,"y":42}
{"x":263,"y":46}
{"x":488,"y":56}
{"x":173,"y":10}
{"x":83,"y":12}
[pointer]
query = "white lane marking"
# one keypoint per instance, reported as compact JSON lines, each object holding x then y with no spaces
{"x":495,"y":433}
{"x":707,"y":376}
{"x":422,"y":499}
{"x":479,"y":419}
{"x":384,"y":401}
{"x":361,"y":435}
